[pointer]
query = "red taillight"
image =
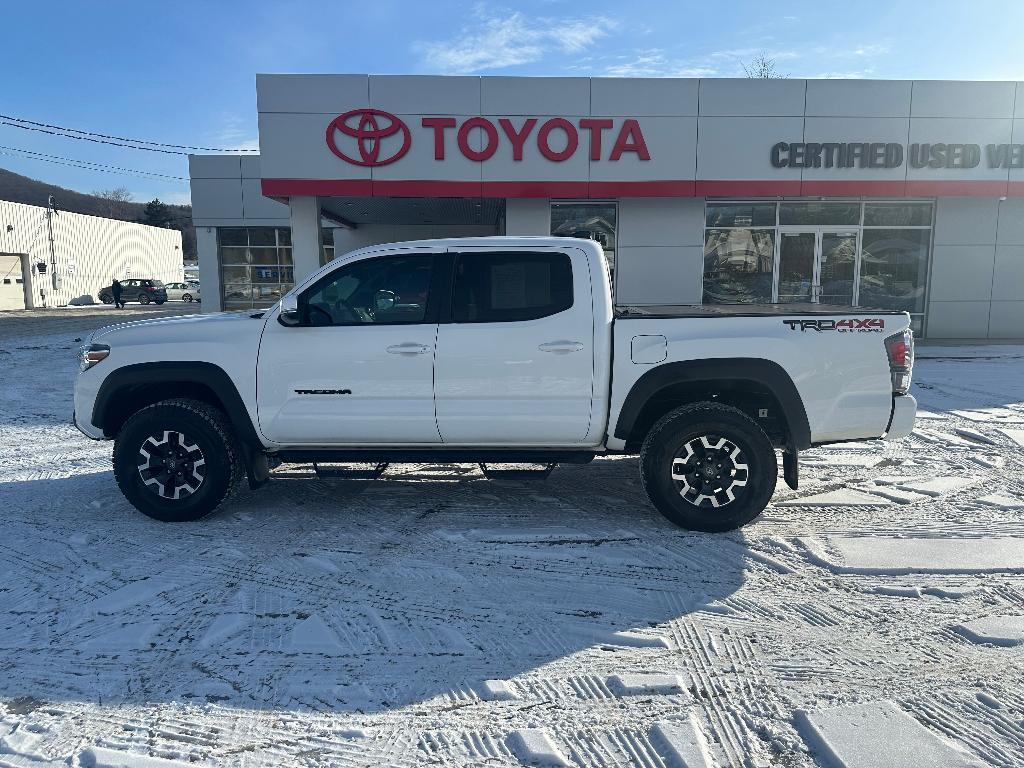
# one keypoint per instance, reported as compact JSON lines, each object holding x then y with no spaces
{"x":150,"y":288}
{"x":900,"y":350}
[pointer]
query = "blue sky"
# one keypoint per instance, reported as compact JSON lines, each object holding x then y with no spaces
{"x":187,"y":77}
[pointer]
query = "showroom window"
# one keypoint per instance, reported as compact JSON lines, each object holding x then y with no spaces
{"x":255,"y":265}
{"x":327,"y":249}
{"x":858,"y":253}
{"x":738,"y":265}
{"x":593,"y":221}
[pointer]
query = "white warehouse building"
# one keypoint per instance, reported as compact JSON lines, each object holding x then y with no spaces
{"x":887,"y":194}
{"x":86,"y":254}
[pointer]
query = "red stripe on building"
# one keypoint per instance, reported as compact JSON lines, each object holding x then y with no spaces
{"x":953,"y":188}
{"x":853,"y":188}
{"x":284,"y":188}
{"x":535,"y":189}
{"x":780,"y":188}
{"x":599,"y":189}
{"x":413,"y":188}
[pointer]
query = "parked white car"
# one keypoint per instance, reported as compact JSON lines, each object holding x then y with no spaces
{"x":491,"y":350}
{"x":183,"y":292}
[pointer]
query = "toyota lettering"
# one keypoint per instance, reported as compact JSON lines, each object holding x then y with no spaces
{"x":372,"y":137}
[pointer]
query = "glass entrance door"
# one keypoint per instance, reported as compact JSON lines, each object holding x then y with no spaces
{"x":796,"y":267}
{"x":817,"y":266}
{"x":837,"y":267}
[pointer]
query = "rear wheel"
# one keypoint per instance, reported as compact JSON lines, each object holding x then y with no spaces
{"x":186,"y":297}
{"x":708,"y":467}
{"x":177,"y":460}
{"x":160,"y":301}
{"x":143,"y":298}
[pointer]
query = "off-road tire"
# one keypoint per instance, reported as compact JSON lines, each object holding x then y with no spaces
{"x":206,"y":427}
{"x":143,"y":298}
{"x":670,"y":436}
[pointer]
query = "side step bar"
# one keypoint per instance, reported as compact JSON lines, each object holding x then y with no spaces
{"x":349,"y":473}
{"x":433,"y":456}
{"x":518,"y":474}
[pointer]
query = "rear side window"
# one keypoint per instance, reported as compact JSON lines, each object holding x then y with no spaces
{"x":506,"y":287}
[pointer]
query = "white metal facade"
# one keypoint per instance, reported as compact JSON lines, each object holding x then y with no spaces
{"x":87,"y":253}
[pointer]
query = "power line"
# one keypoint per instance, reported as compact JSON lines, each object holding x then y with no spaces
{"x":84,"y":164}
{"x":89,"y":138}
{"x":104,"y":138}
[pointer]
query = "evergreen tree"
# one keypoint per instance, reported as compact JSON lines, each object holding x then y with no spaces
{"x":157,"y":213}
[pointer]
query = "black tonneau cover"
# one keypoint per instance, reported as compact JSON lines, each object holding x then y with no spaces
{"x":744,"y":310}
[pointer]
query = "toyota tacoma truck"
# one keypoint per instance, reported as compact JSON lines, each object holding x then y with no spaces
{"x":498,"y":351}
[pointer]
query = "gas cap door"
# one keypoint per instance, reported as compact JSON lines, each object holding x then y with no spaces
{"x":648,"y":349}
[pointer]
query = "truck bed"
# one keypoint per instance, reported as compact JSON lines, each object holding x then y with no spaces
{"x":743,"y":310}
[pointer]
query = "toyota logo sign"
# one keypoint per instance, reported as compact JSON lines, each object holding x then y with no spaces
{"x":367,"y":129}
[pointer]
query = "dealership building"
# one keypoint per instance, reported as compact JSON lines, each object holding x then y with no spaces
{"x":886,"y":194}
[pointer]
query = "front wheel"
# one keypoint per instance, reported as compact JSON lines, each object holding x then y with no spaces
{"x":708,"y":467}
{"x":160,"y":301}
{"x":177,"y":460}
{"x":106,"y":298}
{"x":143,"y":298}
{"x":186,"y":297}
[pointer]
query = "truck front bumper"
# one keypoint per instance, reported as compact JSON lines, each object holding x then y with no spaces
{"x":86,"y":428}
{"x":904,"y":409}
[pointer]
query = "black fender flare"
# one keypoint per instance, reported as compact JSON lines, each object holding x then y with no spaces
{"x":766,"y":373}
{"x":170,"y":372}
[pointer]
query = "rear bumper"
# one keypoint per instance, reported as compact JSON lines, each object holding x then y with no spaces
{"x":901,"y":424}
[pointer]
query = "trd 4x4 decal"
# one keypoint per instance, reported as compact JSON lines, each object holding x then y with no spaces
{"x":846,"y":325}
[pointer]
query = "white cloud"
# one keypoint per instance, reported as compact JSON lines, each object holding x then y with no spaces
{"x":655,"y":63}
{"x":511,"y":41}
{"x":235,"y":133}
{"x":742,"y":54}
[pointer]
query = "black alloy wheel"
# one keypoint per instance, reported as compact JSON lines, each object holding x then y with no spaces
{"x":708,"y":467}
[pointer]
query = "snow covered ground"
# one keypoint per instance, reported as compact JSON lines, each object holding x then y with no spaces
{"x":872,"y":619}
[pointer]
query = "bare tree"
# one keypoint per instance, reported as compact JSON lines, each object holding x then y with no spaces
{"x":111,"y":201}
{"x":117,"y":194}
{"x":762,"y":67}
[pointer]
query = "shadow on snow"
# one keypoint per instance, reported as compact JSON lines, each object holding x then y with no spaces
{"x":341,"y":595}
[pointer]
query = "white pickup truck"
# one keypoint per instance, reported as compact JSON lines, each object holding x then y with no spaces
{"x":497,"y":350}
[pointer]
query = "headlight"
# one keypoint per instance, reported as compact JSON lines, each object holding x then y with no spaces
{"x":90,"y":354}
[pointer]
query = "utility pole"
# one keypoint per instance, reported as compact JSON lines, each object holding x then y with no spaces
{"x":53,"y":251}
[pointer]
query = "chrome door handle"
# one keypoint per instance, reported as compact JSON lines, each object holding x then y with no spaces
{"x":561,"y":347}
{"x":409,"y":348}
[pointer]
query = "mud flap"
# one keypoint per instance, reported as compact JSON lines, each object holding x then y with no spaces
{"x":791,"y":468}
{"x":257,"y":468}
